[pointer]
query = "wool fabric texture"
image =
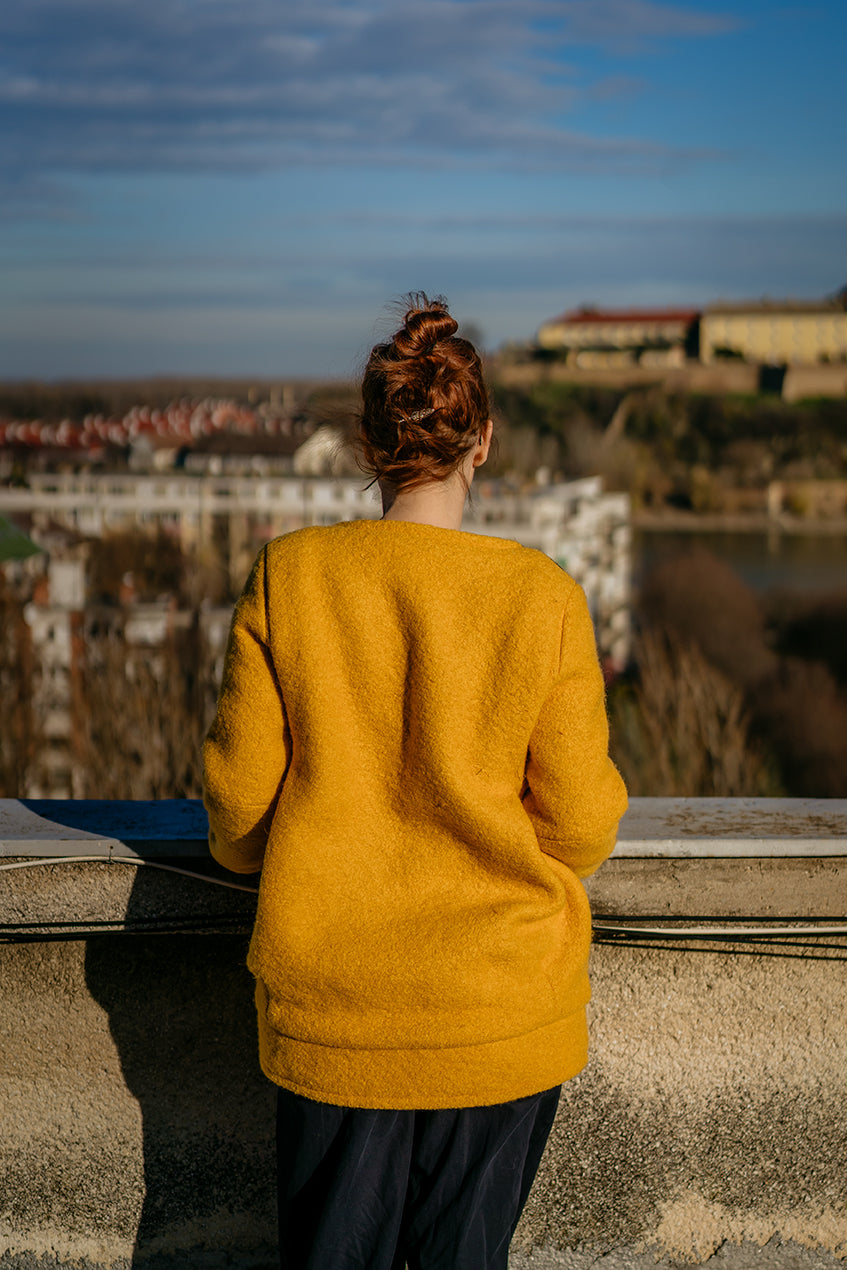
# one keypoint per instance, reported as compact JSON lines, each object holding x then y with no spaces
{"x":411,"y":745}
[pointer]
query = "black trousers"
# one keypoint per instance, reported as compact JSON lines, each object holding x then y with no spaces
{"x":379,"y":1190}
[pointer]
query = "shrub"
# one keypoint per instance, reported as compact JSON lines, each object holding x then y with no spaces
{"x":682,"y":728}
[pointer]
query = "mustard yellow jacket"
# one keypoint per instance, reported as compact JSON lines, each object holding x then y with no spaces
{"x":411,"y":744}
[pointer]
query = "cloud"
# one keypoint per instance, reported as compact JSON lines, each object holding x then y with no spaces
{"x":292,"y":306}
{"x":609,"y":259}
{"x":210,"y":85}
{"x":637,"y":24}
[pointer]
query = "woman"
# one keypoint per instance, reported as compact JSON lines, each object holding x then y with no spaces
{"x":411,"y":745}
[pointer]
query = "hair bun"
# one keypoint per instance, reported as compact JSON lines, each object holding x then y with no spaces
{"x":424,"y":402}
{"x":425,"y":324}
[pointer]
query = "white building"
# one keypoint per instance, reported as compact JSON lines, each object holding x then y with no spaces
{"x":583,"y":529}
{"x":575,"y":523}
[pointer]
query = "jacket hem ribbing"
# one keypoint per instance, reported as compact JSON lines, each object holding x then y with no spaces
{"x":480,"y":1075}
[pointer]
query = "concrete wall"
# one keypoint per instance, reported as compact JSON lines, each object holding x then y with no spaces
{"x":815,"y":381}
{"x":717,"y":377}
{"x":724,"y":377}
{"x":710,"y":1124}
{"x":712,"y":1115}
{"x":137,"y":1129}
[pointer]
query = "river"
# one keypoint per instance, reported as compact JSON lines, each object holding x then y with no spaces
{"x":765,"y":561}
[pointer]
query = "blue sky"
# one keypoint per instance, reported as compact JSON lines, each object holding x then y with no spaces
{"x":212,"y":186}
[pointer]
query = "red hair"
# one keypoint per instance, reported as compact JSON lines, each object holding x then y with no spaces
{"x":424,"y":401}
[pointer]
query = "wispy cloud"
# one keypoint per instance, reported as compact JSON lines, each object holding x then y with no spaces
{"x":316,"y":309}
{"x":90,"y":85}
{"x":637,"y":24}
{"x":610,"y":259}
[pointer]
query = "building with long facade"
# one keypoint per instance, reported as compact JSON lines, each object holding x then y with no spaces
{"x":763,"y":332}
{"x":576,"y":523}
{"x":594,"y":338}
{"x":790,"y":333}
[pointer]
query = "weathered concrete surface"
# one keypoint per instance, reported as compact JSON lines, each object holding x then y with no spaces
{"x":777,"y":1254}
{"x":710,"y":1125}
{"x":713,"y":827}
{"x":136,"y":1126}
{"x":137,"y":1129}
{"x":49,"y":897}
{"x":46,"y":897}
{"x":767,"y":889}
{"x":713,"y":1112}
{"x":672,"y":827}
{"x":59,"y":826}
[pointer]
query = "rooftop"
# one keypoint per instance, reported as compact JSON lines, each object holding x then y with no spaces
{"x":626,"y":315}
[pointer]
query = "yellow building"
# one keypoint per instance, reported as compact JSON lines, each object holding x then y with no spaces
{"x":621,"y":337}
{"x":788,"y":334}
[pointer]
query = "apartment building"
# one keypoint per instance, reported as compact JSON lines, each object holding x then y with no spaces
{"x":584,"y":529}
{"x":576,"y":523}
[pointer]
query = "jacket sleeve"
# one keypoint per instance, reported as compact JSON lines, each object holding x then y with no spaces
{"x":248,"y":747}
{"x":573,"y":793}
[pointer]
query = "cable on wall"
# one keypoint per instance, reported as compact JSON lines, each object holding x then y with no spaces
{"x":124,"y":859}
{"x":788,"y":929}
{"x":731,"y":933}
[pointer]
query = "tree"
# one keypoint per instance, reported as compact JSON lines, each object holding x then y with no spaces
{"x":19,"y":737}
{"x":147,"y":710}
{"x":683,"y":730}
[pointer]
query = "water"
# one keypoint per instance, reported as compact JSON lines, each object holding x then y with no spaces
{"x":765,"y":561}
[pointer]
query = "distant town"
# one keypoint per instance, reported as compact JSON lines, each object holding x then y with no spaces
{"x":794,"y":348}
{"x":768,"y":332}
{"x":130,"y":514}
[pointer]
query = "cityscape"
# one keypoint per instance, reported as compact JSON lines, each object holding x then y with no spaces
{"x":617,"y":429}
{"x":211,"y":213}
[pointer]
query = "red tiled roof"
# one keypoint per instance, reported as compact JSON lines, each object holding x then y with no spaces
{"x":627,"y":315}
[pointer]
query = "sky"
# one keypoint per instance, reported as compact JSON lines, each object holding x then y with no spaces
{"x":242,"y":187}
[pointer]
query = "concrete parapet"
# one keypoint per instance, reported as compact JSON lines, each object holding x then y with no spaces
{"x":823,"y":380}
{"x":709,"y":1125}
{"x":692,"y":376}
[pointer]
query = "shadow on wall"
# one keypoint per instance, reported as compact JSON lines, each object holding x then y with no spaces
{"x":180,"y":1010}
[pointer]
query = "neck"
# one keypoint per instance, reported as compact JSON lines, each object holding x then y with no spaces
{"x":439,"y":503}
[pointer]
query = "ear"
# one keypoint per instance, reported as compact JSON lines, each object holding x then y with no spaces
{"x":484,"y":444}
